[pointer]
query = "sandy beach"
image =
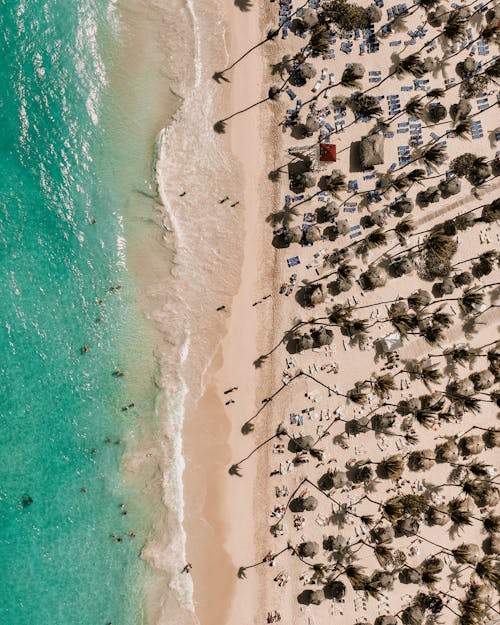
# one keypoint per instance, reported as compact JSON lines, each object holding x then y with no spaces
{"x":370,"y":411}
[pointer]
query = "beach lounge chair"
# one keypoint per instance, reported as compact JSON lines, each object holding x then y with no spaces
{"x":291,"y":93}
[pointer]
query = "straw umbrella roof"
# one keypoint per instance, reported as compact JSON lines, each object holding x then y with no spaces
{"x":339,"y":479}
{"x":421,"y":460}
{"x":322,"y":336}
{"x":310,"y":503}
{"x":316,"y":597}
{"x":450,"y":187}
{"x":316,"y":295}
{"x":436,"y":516}
{"x":335,"y":589}
{"x":410,"y":576}
{"x":293,"y":235}
{"x":304,"y":442}
{"x":460,"y":110}
{"x":472,"y":445}
{"x":308,"y":549}
{"x":305,"y":342}
{"x":462,"y":387}
{"x":413,"y":615}
{"x":374,"y":277}
{"x":312,"y":234}
{"x":383,"y":579}
{"x":309,"y":17}
{"x":371,"y":150}
{"x":312,"y":123}
{"x":467,"y":553}
{"x":447,"y":452}
{"x":327,"y":212}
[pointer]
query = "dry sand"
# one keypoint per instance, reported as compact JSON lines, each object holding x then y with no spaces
{"x":228,"y":517}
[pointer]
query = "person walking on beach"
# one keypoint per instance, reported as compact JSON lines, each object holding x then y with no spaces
{"x":224,"y":199}
{"x":187,"y":568}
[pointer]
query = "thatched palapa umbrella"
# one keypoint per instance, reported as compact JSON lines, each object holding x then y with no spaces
{"x":447,"y":452}
{"x":312,"y":234}
{"x":373,"y":278}
{"x":471,"y":445}
{"x":327,"y":213}
{"x":312,"y":123}
{"x":305,"y":342}
{"x":310,"y":503}
{"x":293,"y":235}
{"x":421,"y":460}
{"x":322,"y":336}
{"x":316,"y":295}
{"x":308,"y":549}
{"x":304,"y":443}
{"x":371,"y":150}
{"x":412,"y":615}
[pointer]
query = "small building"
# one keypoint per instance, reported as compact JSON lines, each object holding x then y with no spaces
{"x":327,"y":152}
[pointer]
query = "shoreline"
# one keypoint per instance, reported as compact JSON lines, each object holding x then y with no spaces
{"x":216,"y":598}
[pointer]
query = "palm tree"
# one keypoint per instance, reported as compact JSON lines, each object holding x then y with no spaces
{"x":356,"y":327}
{"x":335,"y":183}
{"x":433,"y":334}
{"x":357,"y":397}
{"x":491,"y":523}
{"x":471,"y":301}
{"x":426,"y":418}
{"x":376,"y":238}
{"x":345,"y":271}
{"x":461,"y":354}
{"x":340,"y":314}
{"x":488,"y":569}
{"x":392,"y":467}
{"x":434,"y":155}
{"x":319,"y":41}
{"x":460,"y":515}
{"x":384,"y":555}
{"x":404,"y":228}
{"x":463,"y":129}
{"x":414,"y":107}
{"x":455,"y":27}
{"x":442,"y":319}
{"x":467,"y":553}
{"x":402,"y":320}
{"x":440,"y":246}
{"x":356,"y":576}
{"x":427,"y":373}
{"x":382,"y":385}
{"x":419,"y":299}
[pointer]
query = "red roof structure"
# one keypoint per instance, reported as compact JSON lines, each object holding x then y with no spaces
{"x":328,"y":152}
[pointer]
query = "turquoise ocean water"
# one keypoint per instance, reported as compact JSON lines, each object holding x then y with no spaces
{"x":62,"y":166}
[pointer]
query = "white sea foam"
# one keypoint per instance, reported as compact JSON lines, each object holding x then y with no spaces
{"x":206,"y":240}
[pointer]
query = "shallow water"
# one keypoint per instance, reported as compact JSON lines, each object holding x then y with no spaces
{"x":66,"y":162}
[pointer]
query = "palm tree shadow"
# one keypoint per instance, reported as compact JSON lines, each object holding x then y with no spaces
{"x":243,"y":5}
{"x":260,"y":361}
